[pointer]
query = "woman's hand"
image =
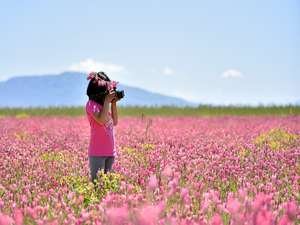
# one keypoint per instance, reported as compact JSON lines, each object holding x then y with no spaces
{"x":111,"y":96}
{"x":115,"y":100}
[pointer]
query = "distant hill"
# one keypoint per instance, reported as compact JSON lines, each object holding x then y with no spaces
{"x":69,"y":89}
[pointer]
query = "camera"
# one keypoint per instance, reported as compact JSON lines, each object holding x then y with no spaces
{"x":105,"y":79}
{"x":119,"y":94}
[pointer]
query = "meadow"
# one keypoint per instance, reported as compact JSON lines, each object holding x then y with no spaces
{"x":231,"y":165}
{"x":201,"y":110}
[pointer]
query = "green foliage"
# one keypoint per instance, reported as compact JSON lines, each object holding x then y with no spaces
{"x":28,"y":220}
{"x":244,"y":153}
{"x":81,"y":185}
{"x":148,"y":146}
{"x":2,"y":191}
{"x":22,"y":115}
{"x":108,"y":182}
{"x":54,"y":156}
{"x":276,"y":139}
{"x":225,"y":218}
{"x":172,"y":202}
{"x":230,"y":185}
{"x":201,"y":110}
{"x":138,"y":156}
{"x":209,"y":110}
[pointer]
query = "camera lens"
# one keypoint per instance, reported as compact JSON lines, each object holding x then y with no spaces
{"x":120,"y":94}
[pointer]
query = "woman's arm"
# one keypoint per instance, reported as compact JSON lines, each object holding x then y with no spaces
{"x":102,"y":116}
{"x":114,"y":112}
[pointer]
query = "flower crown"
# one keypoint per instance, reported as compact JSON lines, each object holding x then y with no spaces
{"x":98,"y":79}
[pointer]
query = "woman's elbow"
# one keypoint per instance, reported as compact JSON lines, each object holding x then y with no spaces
{"x":115,"y":122}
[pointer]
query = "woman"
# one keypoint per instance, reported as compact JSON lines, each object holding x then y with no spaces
{"x":102,"y":96}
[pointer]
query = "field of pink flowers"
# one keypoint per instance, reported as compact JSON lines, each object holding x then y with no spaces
{"x":169,"y":170}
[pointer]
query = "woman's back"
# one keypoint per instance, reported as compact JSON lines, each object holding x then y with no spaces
{"x":102,"y":135}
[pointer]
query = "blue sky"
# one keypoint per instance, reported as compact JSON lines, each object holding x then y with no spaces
{"x":220,"y":52}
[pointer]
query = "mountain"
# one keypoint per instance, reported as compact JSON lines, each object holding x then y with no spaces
{"x":69,"y":89}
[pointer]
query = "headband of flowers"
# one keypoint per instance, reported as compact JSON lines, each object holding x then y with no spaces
{"x":98,"y":79}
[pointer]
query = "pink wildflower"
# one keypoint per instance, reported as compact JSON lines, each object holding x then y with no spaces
{"x":152,"y":184}
{"x":5,"y":219}
{"x":148,"y":215}
{"x":117,"y":216}
{"x":263,"y":217}
{"x":291,"y":210}
{"x":233,"y":205}
{"x":285,"y":220}
{"x":18,"y":216}
{"x":216,"y":220}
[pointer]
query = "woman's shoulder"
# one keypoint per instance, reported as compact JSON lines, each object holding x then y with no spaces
{"x":93,"y":104}
{"x":89,"y":103}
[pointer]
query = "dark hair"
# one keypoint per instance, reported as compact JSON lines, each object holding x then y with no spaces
{"x":95,"y":92}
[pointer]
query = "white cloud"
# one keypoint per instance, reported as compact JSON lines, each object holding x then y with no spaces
{"x":4,"y":77}
{"x":232,"y":73}
{"x":168,"y":71}
{"x":89,"y":65}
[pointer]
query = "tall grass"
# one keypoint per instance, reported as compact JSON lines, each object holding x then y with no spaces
{"x":201,"y":110}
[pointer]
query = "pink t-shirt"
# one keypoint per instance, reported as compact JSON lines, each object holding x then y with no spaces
{"x":102,"y":135}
